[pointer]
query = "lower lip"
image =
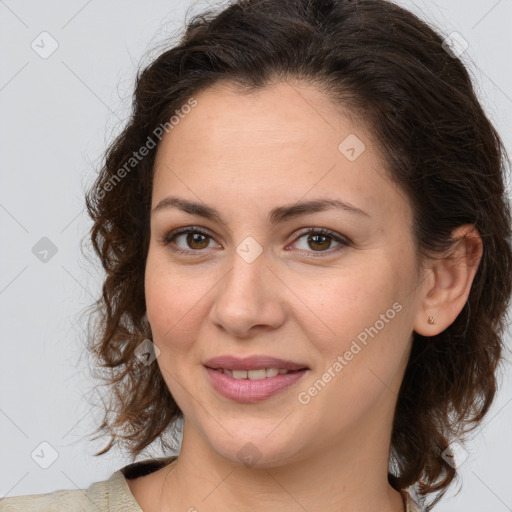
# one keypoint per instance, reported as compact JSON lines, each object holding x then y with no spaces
{"x":250,"y":391}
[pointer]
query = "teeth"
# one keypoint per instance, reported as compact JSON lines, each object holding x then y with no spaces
{"x":254,"y":374}
{"x":257,"y":374}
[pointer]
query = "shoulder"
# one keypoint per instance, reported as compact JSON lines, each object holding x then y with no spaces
{"x":111,"y":495}
{"x":69,"y":500}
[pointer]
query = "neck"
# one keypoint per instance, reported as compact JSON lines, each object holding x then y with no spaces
{"x":349,"y":476}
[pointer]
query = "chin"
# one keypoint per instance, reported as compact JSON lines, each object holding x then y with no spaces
{"x":258,"y":452}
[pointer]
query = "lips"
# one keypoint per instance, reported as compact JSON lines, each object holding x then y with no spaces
{"x":250,"y":391}
{"x":241,"y":379}
{"x":228,"y":362}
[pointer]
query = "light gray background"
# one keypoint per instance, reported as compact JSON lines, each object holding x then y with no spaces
{"x":57,"y":115}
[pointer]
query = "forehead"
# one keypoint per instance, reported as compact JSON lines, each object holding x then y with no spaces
{"x":277,"y":115}
{"x":274,"y":146}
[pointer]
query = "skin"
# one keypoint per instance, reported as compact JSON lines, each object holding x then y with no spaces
{"x":244,"y":155}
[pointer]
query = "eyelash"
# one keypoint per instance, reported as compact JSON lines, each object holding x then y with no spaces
{"x":344,"y":242}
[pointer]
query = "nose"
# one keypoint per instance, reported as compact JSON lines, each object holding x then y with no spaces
{"x":249,"y":299}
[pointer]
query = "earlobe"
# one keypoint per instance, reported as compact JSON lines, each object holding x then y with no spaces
{"x":448,"y":289}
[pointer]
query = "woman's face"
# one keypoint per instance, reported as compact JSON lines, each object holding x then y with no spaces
{"x":255,"y":281}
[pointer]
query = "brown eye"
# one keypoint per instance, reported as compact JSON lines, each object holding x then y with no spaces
{"x":187,"y":240}
{"x":320,"y":241}
{"x":196,"y":240}
{"x":192,"y":241}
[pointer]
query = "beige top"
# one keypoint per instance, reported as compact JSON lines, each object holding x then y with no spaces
{"x":112,"y":495}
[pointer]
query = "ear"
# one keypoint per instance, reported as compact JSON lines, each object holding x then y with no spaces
{"x":449,"y":283}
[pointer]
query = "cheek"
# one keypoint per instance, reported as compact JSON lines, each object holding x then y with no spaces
{"x":173,"y":301}
{"x":351,"y":301}
{"x":360,"y":365}
{"x":368,"y":321}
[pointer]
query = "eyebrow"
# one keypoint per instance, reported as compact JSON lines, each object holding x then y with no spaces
{"x":278,"y":214}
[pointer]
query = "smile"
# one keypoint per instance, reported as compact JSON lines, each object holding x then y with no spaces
{"x":263,"y":373}
{"x":249,"y":386}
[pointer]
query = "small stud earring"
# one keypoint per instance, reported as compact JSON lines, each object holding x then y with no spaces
{"x":431,"y":320}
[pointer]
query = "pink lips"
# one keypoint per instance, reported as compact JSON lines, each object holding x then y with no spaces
{"x":250,"y":391}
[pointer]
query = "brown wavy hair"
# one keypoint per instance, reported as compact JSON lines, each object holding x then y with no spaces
{"x":391,"y":70}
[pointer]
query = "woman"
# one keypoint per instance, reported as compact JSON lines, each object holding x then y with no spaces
{"x":308,"y":257}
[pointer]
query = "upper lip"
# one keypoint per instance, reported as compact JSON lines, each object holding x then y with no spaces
{"x":252,"y":363}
